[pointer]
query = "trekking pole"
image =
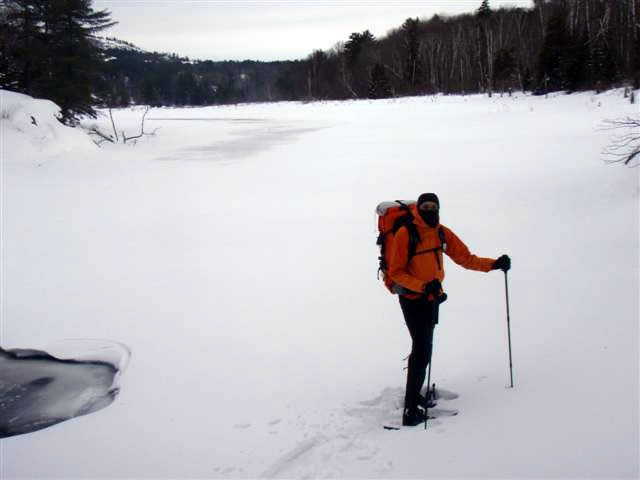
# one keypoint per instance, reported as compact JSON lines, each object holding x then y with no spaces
{"x":427,"y":396}
{"x":506,"y":289}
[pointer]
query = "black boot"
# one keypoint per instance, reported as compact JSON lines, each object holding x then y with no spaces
{"x":412,"y":417}
{"x":422,"y":401}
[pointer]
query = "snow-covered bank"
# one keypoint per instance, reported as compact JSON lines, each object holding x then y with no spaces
{"x":236,"y":256}
{"x":31,"y":132}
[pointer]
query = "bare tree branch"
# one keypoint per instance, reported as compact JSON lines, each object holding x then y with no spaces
{"x":113,"y":125}
{"x":126,"y":139}
{"x":103,"y":136}
{"x":624,"y":147}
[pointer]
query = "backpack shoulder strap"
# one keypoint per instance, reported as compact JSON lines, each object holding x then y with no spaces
{"x":406,"y":221}
{"x":414,"y":239}
{"x":442,"y":247}
{"x":443,"y":240}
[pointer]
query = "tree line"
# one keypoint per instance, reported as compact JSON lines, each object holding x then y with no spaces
{"x":50,"y":49}
{"x":556,"y":45}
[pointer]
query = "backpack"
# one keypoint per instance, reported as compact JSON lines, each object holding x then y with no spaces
{"x":392,"y":216}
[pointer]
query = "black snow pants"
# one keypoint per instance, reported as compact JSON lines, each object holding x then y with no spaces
{"x":420,"y":317}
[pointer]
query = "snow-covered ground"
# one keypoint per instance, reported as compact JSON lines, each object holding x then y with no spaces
{"x":234,"y":254}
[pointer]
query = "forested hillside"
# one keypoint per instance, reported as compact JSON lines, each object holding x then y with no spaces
{"x":152,"y":78}
{"x":558,"y":45}
{"x":50,"y":49}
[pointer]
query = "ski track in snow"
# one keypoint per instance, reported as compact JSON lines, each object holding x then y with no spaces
{"x":330,"y":453}
{"x":286,"y":460}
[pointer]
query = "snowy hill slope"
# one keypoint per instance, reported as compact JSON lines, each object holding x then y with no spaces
{"x":115,"y":43}
{"x":234,"y":253}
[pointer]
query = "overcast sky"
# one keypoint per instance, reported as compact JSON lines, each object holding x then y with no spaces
{"x":264,"y":29}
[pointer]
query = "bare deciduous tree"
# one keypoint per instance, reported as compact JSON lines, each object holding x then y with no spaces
{"x":125,"y":139}
{"x":104,"y":137}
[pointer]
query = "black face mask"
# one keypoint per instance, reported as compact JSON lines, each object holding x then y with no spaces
{"x":430,"y":218}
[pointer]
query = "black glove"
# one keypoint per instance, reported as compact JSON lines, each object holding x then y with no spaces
{"x":432,"y":288}
{"x":502,"y":263}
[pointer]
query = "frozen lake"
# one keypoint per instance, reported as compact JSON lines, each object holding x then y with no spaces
{"x":234,"y":254}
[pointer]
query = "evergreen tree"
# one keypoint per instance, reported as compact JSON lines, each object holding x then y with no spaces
{"x":150,"y":94}
{"x":185,"y":88}
{"x":504,"y":66}
{"x":356,"y":50}
{"x":356,"y":44}
{"x":527,"y":79}
{"x":602,"y":64}
{"x":413,"y":70}
{"x":8,"y":78}
{"x":57,"y":56}
{"x":379,"y":86}
{"x":635,"y":59}
{"x":578,"y":71}
{"x":77,"y":59}
{"x":24,"y":44}
{"x":484,"y":11}
{"x":553,"y":59}
{"x":483,"y":47}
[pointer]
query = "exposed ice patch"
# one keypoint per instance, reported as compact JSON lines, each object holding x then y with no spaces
{"x":41,"y":388}
{"x":246,"y":143}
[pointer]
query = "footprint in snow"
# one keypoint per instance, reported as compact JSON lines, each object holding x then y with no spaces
{"x":386,"y":408}
{"x":229,"y":470}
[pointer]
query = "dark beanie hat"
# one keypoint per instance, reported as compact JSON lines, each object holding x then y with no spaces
{"x":428,"y":197}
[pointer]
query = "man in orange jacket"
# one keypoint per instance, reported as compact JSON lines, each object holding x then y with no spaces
{"x":417,"y":272}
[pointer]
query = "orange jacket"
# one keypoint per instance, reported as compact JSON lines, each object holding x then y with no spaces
{"x":423,"y":268}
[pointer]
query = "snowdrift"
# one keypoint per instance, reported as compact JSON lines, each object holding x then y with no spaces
{"x":31,"y":131}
